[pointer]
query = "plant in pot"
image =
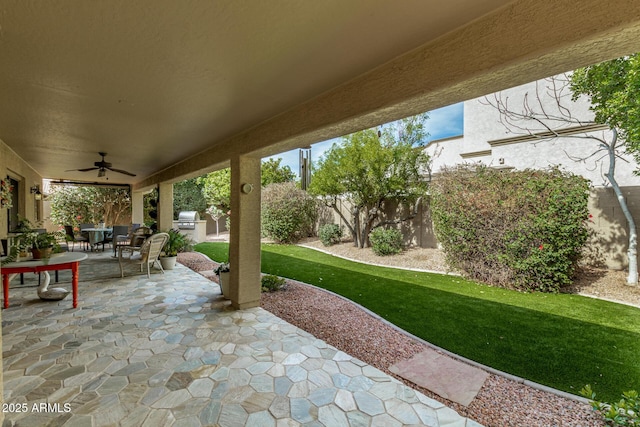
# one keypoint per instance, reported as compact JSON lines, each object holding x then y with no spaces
{"x":44,"y":244}
{"x":222,"y":271}
{"x":25,"y":232}
{"x":23,"y":226}
{"x":176,"y":243}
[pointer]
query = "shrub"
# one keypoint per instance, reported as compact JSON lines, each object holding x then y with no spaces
{"x":272,"y":283}
{"x":330,"y":234}
{"x":386,"y":242}
{"x":176,"y":243}
{"x":288,"y":213}
{"x":522,"y":229}
{"x":626,"y":412}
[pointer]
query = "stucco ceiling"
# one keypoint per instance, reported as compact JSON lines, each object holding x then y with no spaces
{"x":153,"y":82}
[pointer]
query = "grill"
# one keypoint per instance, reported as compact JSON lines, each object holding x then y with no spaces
{"x":187,"y":220}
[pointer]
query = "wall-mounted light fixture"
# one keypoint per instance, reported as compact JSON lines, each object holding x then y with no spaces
{"x":37,"y":194}
{"x":246,"y":188}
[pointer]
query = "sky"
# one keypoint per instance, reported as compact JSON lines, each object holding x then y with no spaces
{"x":444,"y":122}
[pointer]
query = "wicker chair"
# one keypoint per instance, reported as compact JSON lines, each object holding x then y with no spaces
{"x":147,"y":253}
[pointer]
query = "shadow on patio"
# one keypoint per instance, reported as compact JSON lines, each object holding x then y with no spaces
{"x":169,"y":351}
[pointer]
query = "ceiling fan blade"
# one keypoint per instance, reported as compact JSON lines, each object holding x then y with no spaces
{"x":122,"y":171}
{"x":81,"y":170}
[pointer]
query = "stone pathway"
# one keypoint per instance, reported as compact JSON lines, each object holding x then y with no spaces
{"x":169,"y":351}
{"x":454,"y":380}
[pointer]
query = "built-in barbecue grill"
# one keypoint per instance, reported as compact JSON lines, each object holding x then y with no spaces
{"x":187,"y":220}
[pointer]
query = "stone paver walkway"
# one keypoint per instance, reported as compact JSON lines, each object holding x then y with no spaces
{"x":450,"y":378}
{"x":169,"y":351}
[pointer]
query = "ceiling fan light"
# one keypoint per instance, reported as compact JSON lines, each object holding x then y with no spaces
{"x":101,"y":173}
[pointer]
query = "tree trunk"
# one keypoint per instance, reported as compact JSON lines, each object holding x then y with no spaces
{"x":357,"y":242}
{"x":354,"y":235}
{"x":632,"y":252}
{"x":364,"y":236}
{"x":372,"y":215}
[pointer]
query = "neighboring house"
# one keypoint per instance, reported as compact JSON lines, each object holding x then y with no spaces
{"x":487,"y":140}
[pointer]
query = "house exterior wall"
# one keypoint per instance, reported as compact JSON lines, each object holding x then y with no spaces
{"x":488,"y":141}
{"x":12,"y":165}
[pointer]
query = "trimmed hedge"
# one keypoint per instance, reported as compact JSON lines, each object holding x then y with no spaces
{"x":523,"y":229}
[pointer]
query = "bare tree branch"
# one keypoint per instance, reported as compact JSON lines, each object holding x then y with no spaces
{"x":542,"y":124}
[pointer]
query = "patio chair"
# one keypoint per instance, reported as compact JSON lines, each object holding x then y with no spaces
{"x":109,"y":236}
{"x":140,"y":234}
{"x":85,"y":234}
{"x":83,"y":226}
{"x":71,"y":237}
{"x":120,"y":237}
{"x":148,"y":253}
{"x":132,"y":242}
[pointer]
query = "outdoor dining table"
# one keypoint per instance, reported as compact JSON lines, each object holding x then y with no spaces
{"x":97,"y":235}
{"x":62,"y":261}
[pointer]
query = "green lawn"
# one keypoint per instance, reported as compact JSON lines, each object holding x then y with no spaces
{"x":563,"y":341}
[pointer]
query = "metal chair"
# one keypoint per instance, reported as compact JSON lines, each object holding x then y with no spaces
{"x":148,"y":253}
{"x":119,"y":237}
{"x":71,"y":237}
{"x":85,"y":234}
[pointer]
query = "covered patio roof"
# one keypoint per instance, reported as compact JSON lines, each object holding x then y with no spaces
{"x":174,"y":89}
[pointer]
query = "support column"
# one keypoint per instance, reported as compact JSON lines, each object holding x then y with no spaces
{"x":137,"y":207}
{"x":244,"y":248}
{"x":165,"y":207}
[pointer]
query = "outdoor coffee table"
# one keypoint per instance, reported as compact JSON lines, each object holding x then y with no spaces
{"x":63,"y":261}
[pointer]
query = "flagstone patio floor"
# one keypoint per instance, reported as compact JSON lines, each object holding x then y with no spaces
{"x":170,"y":351}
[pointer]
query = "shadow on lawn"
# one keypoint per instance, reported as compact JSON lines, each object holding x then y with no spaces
{"x":552,"y":349}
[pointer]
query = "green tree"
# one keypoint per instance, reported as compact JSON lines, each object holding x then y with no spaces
{"x":150,"y":204}
{"x":188,"y":196}
{"x":614,"y":89}
{"x":216,"y":188}
{"x":273,"y":173}
{"x":72,"y":205}
{"x":373,"y":167}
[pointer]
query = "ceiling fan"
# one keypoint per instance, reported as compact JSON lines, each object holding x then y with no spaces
{"x":102,"y":167}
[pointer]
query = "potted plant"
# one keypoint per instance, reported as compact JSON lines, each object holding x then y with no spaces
{"x":222,"y":271}
{"x":22,"y":243}
{"x":177,"y":242}
{"x":44,"y":244}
